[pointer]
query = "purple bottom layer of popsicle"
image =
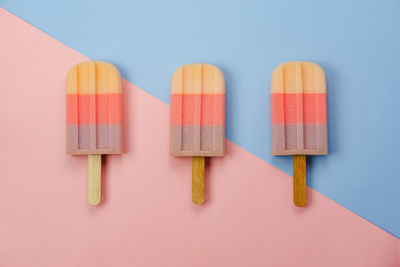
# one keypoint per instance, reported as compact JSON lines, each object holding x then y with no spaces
{"x":107,"y":139}
{"x":285,"y":139}
{"x":211,"y":141}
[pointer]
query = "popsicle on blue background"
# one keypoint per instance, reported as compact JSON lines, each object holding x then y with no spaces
{"x":298,"y":110}
{"x":299,"y":118}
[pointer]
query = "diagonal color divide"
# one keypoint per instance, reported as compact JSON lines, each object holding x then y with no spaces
{"x":247,"y":40}
{"x":248,"y":219}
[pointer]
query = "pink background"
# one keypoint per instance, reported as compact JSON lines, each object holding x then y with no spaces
{"x":147,"y":218}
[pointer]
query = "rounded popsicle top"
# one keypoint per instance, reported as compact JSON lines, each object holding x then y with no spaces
{"x":198,"y":78}
{"x":298,"y":77}
{"x":93,"y":77}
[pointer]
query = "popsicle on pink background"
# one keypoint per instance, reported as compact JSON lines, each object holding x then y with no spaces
{"x":299,"y":118}
{"x":197,"y":119}
{"x":94,"y":117}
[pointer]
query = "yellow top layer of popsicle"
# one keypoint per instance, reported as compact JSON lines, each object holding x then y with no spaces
{"x":198,"y":78}
{"x":93,"y":77}
{"x":298,"y":77}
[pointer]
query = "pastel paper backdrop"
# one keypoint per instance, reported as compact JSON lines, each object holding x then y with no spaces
{"x":356,"y":42}
{"x":147,"y":218}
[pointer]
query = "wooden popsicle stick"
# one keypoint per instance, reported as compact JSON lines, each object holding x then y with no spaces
{"x":299,"y":180}
{"x":94,"y":187}
{"x":198,"y":185}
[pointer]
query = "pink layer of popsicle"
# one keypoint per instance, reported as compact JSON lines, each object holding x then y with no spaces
{"x":284,"y":108}
{"x":108,"y":108}
{"x":183,"y":109}
{"x":237,"y":227}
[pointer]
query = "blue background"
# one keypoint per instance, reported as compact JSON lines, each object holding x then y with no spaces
{"x":356,"y":42}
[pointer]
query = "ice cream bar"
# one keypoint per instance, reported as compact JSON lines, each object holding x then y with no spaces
{"x":197,"y":111}
{"x":298,"y":110}
{"x":299,"y":114}
{"x":94,"y":109}
{"x":94,"y":117}
{"x":197,"y":121}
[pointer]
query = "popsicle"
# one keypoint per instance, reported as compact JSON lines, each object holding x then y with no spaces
{"x":94,"y":117}
{"x":197,"y":119}
{"x":299,"y":118}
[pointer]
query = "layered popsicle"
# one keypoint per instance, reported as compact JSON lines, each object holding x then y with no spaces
{"x":299,"y":117}
{"x":94,"y":117}
{"x":197,"y":121}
